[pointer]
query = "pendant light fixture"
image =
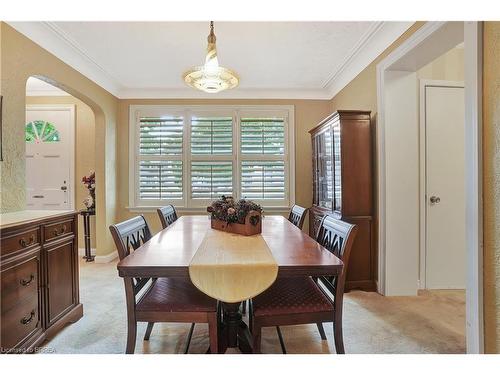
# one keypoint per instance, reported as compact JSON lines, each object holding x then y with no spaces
{"x":211,"y":77}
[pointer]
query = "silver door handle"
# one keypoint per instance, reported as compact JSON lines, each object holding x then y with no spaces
{"x":434,"y":199}
{"x":38,"y":196}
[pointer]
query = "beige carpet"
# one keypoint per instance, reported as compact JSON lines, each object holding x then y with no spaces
{"x":433,"y":322}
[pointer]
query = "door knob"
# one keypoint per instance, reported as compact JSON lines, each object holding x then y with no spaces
{"x":434,"y":199}
{"x":64,"y":188}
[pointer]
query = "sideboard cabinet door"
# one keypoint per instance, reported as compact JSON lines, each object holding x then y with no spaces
{"x":62,"y":287}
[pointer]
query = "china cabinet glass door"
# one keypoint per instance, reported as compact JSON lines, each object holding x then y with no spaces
{"x":337,"y":169}
{"x":325,"y":169}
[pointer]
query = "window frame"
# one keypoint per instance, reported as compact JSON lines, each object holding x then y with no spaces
{"x":237,"y":112}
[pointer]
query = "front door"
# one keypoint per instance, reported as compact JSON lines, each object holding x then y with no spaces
{"x":49,"y":135}
{"x":445,"y":186}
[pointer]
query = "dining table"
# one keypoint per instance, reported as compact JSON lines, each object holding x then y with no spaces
{"x":228,"y":267}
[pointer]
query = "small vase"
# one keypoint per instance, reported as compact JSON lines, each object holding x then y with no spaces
{"x":89,"y":202}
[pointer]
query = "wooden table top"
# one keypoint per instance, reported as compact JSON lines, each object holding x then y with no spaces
{"x":169,"y":252}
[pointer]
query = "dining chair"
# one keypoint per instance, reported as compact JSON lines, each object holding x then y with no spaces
{"x":297,"y":216}
{"x":167,"y":215}
{"x":291,"y":301}
{"x":160,"y":299}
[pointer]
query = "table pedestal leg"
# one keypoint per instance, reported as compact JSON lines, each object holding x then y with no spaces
{"x":235,"y":333}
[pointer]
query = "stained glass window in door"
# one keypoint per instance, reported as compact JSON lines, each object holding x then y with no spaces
{"x":41,"y":131}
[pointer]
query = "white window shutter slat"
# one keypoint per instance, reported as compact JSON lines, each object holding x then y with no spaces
{"x":160,"y":138}
{"x":210,"y":180}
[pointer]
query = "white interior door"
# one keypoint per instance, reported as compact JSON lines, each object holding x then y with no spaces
{"x":49,"y":157}
{"x":445,"y":185}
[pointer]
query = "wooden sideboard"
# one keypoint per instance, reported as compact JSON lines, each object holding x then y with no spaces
{"x":342,"y":149}
{"x":39,"y":280}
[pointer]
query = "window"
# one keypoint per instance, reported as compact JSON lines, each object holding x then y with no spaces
{"x":41,"y":131}
{"x":263,"y":172}
{"x":160,"y":158}
{"x":189,"y":156}
{"x":210,"y":180}
{"x":212,"y":136}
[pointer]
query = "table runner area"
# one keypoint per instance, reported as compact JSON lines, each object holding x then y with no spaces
{"x":232,"y":268}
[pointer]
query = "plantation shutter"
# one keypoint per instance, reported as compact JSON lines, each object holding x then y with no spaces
{"x":263,"y":136}
{"x":210,"y":180}
{"x":160,"y":136}
{"x":263,"y":179}
{"x":191,"y":155}
{"x":212,"y":136}
{"x":263,"y":158}
{"x":160,"y":158}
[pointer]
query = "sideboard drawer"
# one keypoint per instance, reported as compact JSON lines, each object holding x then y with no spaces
{"x":59,"y":229}
{"x":20,"y":322}
{"x":12,"y":242}
{"x":20,"y":282}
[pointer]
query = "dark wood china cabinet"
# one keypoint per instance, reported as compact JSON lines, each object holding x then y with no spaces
{"x":343,"y":184}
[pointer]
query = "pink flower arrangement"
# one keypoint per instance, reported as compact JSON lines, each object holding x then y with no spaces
{"x":89,"y":183}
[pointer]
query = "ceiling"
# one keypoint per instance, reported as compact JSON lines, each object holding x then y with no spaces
{"x":273,"y":59}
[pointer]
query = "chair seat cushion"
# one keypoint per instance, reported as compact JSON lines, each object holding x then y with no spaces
{"x":291,"y":296}
{"x":176,"y":295}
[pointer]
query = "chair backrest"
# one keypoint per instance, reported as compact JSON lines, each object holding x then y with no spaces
{"x":167,"y":215}
{"x":336,"y":236}
{"x":130,"y":234}
{"x":297,"y":216}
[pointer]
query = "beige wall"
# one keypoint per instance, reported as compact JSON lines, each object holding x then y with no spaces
{"x":20,"y":59}
{"x":361,"y":93}
{"x":84,"y":150}
{"x":448,"y":67}
{"x":307,"y":114}
{"x":491,"y":181}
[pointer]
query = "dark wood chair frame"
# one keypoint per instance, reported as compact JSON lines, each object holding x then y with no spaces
{"x":297,"y":215}
{"x":338,"y":237}
{"x":167,"y":215}
{"x":132,"y":234}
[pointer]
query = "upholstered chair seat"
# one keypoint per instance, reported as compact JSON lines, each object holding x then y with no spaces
{"x":291,"y":296}
{"x":175,"y":294}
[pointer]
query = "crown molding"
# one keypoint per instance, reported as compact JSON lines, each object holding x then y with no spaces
{"x":238,"y":93}
{"x":371,"y":45}
{"x":362,"y":42}
{"x":49,"y":36}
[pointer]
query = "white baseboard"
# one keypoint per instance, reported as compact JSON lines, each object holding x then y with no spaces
{"x":106,"y":258}
{"x":81,"y":251}
{"x":99,"y":258}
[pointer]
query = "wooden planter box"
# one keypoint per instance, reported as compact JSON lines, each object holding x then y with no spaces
{"x":247,"y":229}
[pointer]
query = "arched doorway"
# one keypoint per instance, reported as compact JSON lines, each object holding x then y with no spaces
{"x":60,"y":153}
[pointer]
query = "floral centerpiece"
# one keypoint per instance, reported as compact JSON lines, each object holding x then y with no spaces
{"x":89,"y":183}
{"x":241,"y":217}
